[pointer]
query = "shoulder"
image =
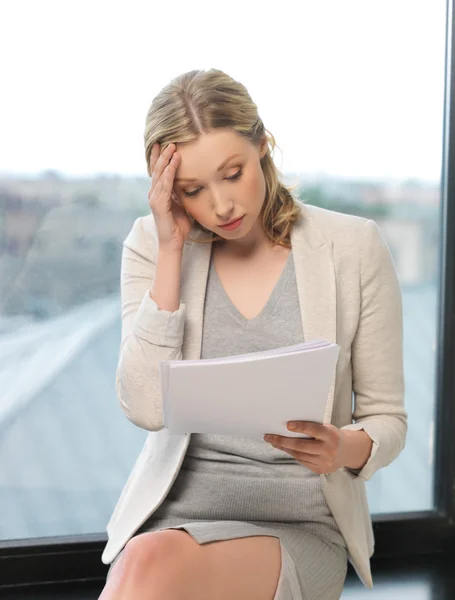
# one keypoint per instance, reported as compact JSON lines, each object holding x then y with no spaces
{"x":345,"y":231}
{"x":332,"y":224}
{"x":142,"y":237}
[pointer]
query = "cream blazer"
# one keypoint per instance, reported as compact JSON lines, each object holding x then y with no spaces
{"x":349,"y":294}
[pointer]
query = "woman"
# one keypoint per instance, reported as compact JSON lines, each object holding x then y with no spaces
{"x":228,"y":262}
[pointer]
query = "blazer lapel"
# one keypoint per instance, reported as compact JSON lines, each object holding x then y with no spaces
{"x":195,"y":270}
{"x":316,"y":284}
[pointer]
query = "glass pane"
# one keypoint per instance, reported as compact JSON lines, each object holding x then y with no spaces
{"x":407,"y":213}
{"x":354,"y":99}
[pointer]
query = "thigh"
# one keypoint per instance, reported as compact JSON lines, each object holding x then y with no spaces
{"x":172,"y":564}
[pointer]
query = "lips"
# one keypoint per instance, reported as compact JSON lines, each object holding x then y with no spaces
{"x":230,"y":222}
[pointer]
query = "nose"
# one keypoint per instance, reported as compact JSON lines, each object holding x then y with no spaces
{"x":223,"y":206}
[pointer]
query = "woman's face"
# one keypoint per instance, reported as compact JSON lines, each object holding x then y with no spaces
{"x":220,"y":179}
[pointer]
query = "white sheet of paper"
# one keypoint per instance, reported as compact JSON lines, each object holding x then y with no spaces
{"x":249,"y":395}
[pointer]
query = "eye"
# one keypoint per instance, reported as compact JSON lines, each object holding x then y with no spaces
{"x":231,"y":178}
{"x":236,"y":176}
{"x":189,"y":194}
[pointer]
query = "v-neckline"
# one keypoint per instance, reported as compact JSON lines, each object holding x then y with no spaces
{"x":269,"y":306}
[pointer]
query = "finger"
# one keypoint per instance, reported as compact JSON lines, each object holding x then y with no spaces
{"x":170,"y":171}
{"x":163,"y":161}
{"x":311,"y":447}
{"x":168,"y":176}
{"x":154,"y":155}
{"x":291,"y":442}
{"x":164,"y":185}
{"x":316,"y":430}
{"x":305,"y":459}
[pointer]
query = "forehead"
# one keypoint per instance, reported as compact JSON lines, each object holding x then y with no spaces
{"x":204,"y":156}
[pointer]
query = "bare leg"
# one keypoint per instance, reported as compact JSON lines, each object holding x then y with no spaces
{"x":170,"y":565}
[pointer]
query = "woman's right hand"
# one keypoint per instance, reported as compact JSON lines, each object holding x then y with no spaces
{"x":171,"y":219}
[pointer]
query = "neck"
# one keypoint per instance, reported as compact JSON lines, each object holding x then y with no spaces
{"x":253,"y":244}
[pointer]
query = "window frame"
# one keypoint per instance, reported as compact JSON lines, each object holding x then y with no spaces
{"x":78,"y":558}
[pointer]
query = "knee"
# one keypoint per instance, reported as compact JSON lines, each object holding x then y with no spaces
{"x":130,"y":572}
{"x":149,"y":553}
{"x":139,"y":552}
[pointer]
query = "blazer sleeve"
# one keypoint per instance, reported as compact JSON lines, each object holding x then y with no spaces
{"x":149,"y":334}
{"x":377,"y":356}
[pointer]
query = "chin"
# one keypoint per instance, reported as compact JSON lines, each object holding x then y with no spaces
{"x":243,"y":230}
{"x":234,"y":234}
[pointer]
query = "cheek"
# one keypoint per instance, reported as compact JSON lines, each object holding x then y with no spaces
{"x":194,"y":209}
{"x":255,"y":187}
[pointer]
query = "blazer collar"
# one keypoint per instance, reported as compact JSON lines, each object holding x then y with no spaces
{"x":316,"y":285}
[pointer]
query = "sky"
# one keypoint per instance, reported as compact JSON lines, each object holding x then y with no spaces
{"x":348,"y":88}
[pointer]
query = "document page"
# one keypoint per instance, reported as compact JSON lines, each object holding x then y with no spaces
{"x":251,"y":394}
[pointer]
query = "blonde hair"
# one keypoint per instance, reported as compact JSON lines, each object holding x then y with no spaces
{"x":199,"y":102}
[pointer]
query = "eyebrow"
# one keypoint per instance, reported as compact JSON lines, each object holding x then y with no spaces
{"x":219,"y":169}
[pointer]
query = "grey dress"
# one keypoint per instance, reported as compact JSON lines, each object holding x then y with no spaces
{"x":231,"y":487}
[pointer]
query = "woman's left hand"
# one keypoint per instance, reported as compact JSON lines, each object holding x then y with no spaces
{"x":324,"y":454}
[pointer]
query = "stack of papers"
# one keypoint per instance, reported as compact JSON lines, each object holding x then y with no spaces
{"x":249,"y":394}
